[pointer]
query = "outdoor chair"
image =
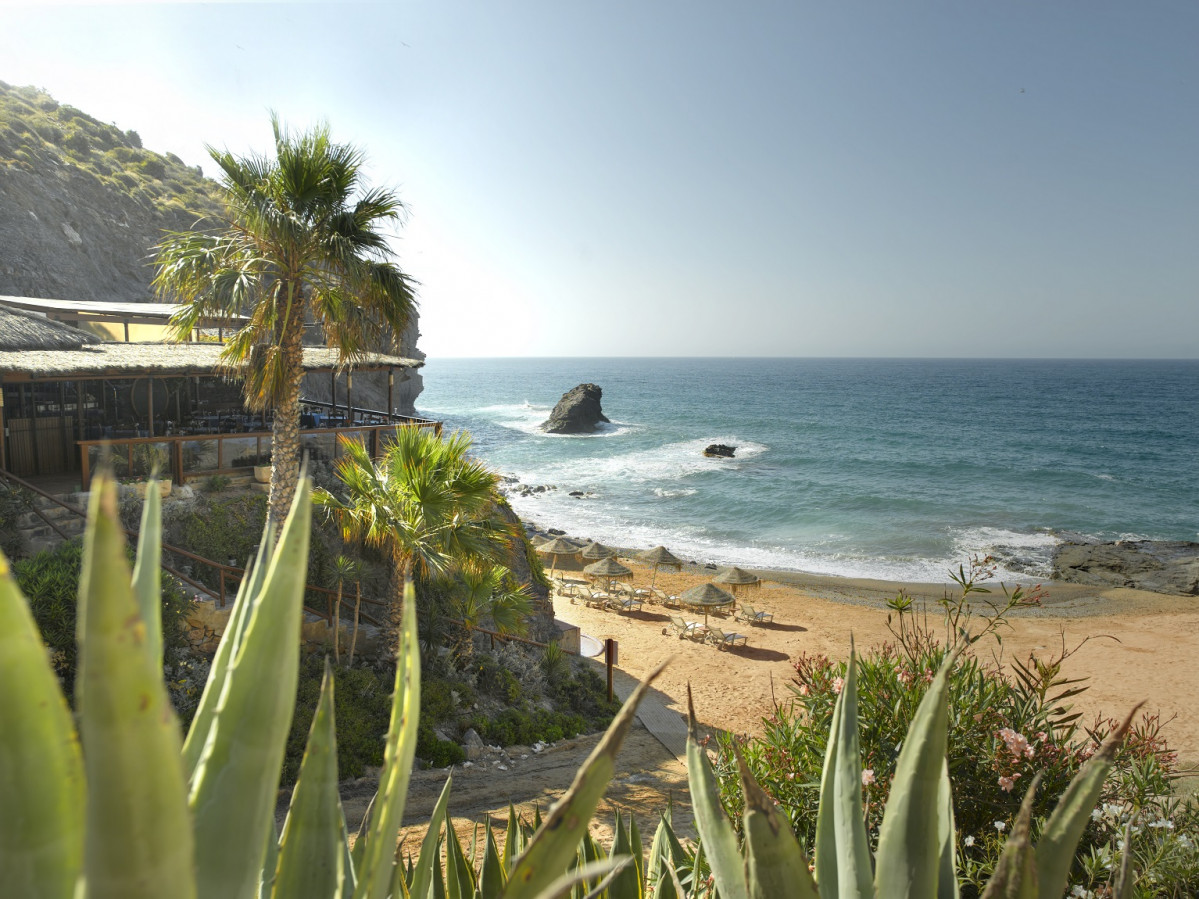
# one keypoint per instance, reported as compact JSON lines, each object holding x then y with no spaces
{"x":752,"y":616}
{"x":723,"y":640}
{"x":626,"y":605}
{"x":683,"y":628}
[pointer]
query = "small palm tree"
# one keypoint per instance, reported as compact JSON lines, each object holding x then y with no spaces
{"x":482,"y":593}
{"x":344,"y":569}
{"x":303,"y":244}
{"x":426,"y":503}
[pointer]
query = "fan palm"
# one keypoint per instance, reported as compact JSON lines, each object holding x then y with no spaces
{"x":303,"y":244}
{"x":487,"y":592}
{"x":425,"y":503}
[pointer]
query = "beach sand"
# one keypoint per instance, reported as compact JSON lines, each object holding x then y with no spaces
{"x":1135,"y":646}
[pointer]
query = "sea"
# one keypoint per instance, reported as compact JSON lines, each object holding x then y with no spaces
{"x":898,"y":469}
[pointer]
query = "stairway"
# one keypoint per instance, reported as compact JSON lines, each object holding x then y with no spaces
{"x":38,"y":534}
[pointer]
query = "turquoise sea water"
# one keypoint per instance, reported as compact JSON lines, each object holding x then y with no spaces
{"x":858,"y":467}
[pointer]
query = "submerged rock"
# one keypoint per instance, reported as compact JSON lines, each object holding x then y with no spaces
{"x":720,"y":451}
{"x":1156,"y":565}
{"x":578,"y":412}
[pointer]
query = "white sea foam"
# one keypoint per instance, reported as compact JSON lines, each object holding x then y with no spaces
{"x":660,"y":465}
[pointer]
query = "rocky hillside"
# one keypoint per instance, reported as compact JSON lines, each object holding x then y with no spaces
{"x":82,"y":203}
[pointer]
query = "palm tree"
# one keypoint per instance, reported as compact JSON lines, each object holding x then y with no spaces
{"x":487,"y":592}
{"x":426,"y":503}
{"x":303,"y":244}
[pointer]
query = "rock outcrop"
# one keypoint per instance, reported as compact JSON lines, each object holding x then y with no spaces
{"x":1158,"y":566}
{"x":578,"y":412}
{"x":720,"y":451}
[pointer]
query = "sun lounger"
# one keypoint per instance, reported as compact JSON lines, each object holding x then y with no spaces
{"x":691,"y":629}
{"x":597,"y":599}
{"x":722,"y":640}
{"x":752,"y":616}
{"x":625,"y":605}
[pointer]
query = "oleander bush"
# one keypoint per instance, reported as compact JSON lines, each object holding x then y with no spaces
{"x":1006,"y":727}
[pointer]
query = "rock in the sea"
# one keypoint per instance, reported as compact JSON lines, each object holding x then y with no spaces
{"x":720,"y":451}
{"x":1156,"y":565}
{"x":578,"y":412}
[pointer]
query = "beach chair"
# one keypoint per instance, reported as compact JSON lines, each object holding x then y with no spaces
{"x":596,"y":599}
{"x":750,"y":615}
{"x":723,"y":640}
{"x":632,"y":604}
{"x":682,"y":628}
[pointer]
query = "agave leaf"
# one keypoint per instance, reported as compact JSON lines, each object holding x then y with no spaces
{"x":666,"y":856}
{"x":137,"y":832}
{"x":638,"y":848}
{"x":234,"y":787}
{"x":842,"y":846}
{"x":492,"y":876}
{"x":774,"y":861}
{"x":374,"y":874}
{"x":1060,"y":836}
{"x":1015,"y":874}
{"x":947,"y":862}
{"x":311,"y":855}
{"x":715,"y":831}
{"x":513,"y":840}
{"x":422,"y":874}
{"x":459,"y":878}
{"x":41,"y":769}
{"x":202,"y":721}
{"x":909,"y":839}
{"x":551,"y":848}
{"x":147,"y":570}
{"x":270,"y":861}
{"x":626,"y":884}
{"x":606,"y":869}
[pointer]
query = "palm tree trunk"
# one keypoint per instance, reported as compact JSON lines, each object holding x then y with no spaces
{"x":337,"y":627}
{"x":285,"y":432}
{"x":357,"y":606}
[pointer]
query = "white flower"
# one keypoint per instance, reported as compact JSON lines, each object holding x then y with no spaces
{"x":867,"y":776}
{"x":1000,"y":826}
{"x":969,"y":841}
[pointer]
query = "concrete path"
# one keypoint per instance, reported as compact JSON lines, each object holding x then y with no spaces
{"x":668,"y":725}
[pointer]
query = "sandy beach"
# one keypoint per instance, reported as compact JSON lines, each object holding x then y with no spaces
{"x":1135,"y":645}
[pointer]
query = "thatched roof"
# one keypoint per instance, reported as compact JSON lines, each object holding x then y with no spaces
{"x":21,"y":330}
{"x":162,"y":359}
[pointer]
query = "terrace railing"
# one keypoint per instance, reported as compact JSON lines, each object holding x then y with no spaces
{"x":196,"y":455}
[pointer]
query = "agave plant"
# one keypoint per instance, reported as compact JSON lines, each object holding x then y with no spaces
{"x":126,"y":806}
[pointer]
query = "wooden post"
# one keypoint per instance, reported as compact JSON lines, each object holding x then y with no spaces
{"x":126,"y":332}
{"x":178,"y":460}
{"x":85,"y":468}
{"x":221,"y":569}
{"x":349,"y":398}
{"x":332,"y":393}
{"x":391,"y":383}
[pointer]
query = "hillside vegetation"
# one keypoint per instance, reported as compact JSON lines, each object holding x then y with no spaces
{"x":38,"y":133}
{"x":84,"y":201}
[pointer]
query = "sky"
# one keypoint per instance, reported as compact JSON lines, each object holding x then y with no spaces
{"x":842,"y":178}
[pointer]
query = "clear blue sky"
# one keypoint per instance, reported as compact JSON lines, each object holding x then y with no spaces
{"x":712,"y":178}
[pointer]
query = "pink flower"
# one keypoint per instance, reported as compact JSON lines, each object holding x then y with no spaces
{"x":803,"y":690}
{"x":1017,"y":744}
{"x":1006,"y":783}
{"x":838,"y":683}
{"x":904,"y":677}
{"x":928,"y":675}
{"x":867,"y":776}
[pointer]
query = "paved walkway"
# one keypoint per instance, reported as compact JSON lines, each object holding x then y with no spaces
{"x":659,"y":719}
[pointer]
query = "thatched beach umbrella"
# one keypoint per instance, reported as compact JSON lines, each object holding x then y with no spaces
{"x":707,"y":597}
{"x":597,"y":551}
{"x":660,"y":557}
{"x":737,"y":578}
{"x":559,"y":546}
{"x":608,"y":569}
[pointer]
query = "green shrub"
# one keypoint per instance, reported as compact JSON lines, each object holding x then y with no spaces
{"x":363,"y":700}
{"x":50,"y":581}
{"x":437,"y":752}
{"x":14,"y":502}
